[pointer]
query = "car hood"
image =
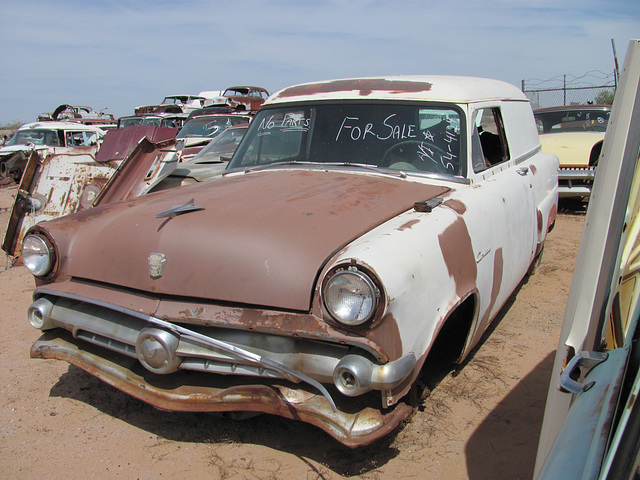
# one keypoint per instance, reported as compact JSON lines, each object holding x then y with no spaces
{"x":17,"y":148}
{"x":573,"y":149}
{"x":259,"y":238}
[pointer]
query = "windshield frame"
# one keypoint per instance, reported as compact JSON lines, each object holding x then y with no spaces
{"x":264,"y":112}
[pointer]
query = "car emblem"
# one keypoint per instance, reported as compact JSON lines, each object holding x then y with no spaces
{"x":157,"y":262}
{"x":179,"y":210}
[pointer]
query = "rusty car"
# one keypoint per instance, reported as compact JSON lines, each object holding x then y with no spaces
{"x":208,"y":162}
{"x":59,"y":181}
{"x":173,"y":104}
{"x":44,"y":135}
{"x":364,"y":231}
{"x":199,"y":130}
{"x":241,"y":98}
{"x":574,"y":133}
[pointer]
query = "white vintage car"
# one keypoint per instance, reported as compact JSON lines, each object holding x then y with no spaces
{"x":361,"y":225}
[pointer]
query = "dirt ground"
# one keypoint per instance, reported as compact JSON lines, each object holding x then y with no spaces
{"x":481,"y":422}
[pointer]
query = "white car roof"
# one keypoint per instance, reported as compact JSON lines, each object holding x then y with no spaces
{"x":436,"y":88}
{"x":61,"y":126}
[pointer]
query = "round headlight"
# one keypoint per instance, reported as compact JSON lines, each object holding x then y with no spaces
{"x":37,"y":255}
{"x":350,"y":297}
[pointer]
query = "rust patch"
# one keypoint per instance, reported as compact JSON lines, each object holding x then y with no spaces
{"x":408,"y":225}
{"x":457,"y":251}
{"x":498,"y":268}
{"x":552,"y":216}
{"x":533,"y":169}
{"x":387,"y":334}
{"x":365,"y":87}
{"x":456,"y":205}
{"x":540,"y":221}
{"x":302,"y":325}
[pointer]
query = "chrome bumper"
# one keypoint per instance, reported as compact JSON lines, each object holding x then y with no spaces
{"x":354,"y":426}
{"x":575,"y":182}
{"x":164,"y":347}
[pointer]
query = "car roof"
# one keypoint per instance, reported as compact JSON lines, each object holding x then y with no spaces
{"x":438,"y":88}
{"x":245,"y":86}
{"x":53,"y":125}
{"x":561,"y":108}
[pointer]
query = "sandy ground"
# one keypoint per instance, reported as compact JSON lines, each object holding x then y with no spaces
{"x":481,"y":422}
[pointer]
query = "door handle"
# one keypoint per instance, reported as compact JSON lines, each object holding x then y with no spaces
{"x":523,"y":171}
{"x":586,"y":360}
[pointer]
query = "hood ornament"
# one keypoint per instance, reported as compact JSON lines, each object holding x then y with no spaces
{"x":179,"y":210}
{"x":157,"y":262}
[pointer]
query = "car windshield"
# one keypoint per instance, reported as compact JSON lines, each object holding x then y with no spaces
{"x":222,"y":146}
{"x":36,"y":136}
{"x":208,"y":126}
{"x":578,"y":120}
{"x":230,"y":92}
{"x":128,"y":121}
{"x":396,"y":136}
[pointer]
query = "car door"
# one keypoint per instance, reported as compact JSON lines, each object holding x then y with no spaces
{"x":500,"y":211}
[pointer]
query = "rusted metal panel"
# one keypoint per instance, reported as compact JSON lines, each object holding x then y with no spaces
{"x":58,"y":181}
{"x":441,"y":88}
{"x":11,"y":235}
{"x":119,"y":142}
{"x":356,"y":426}
{"x":143,"y":167}
{"x":258,"y":258}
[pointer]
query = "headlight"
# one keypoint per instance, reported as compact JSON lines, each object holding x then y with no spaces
{"x":350,"y":297}
{"x":37,"y":255}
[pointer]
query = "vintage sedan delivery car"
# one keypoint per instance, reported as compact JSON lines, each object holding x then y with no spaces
{"x":359,"y":223}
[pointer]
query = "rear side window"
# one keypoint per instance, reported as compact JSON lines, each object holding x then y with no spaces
{"x":80,"y":139}
{"x":488,"y":141}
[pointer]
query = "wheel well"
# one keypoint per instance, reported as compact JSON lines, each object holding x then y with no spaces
{"x":595,"y":154}
{"x":452,"y":337}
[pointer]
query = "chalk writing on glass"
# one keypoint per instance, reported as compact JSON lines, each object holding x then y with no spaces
{"x":290,"y":122}
{"x":356,"y":129}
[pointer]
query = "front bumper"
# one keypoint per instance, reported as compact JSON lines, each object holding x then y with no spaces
{"x":172,"y":367}
{"x":187,"y":392}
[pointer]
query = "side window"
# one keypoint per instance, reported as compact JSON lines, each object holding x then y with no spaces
{"x":80,"y":139}
{"x":488,"y":140}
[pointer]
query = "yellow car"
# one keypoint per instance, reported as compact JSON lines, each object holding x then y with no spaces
{"x":574,"y":133}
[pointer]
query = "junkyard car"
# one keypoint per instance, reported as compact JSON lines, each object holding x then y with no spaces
{"x":80,"y":114}
{"x":42,"y":135}
{"x":199,"y":130}
{"x":208,"y":163}
{"x":574,"y":134}
{"x":242,"y":97}
{"x":359,"y":223}
{"x":173,"y":104}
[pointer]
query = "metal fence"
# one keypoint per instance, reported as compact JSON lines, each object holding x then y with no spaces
{"x":570,"y":90}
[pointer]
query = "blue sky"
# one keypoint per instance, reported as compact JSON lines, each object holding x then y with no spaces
{"x":118,"y":54}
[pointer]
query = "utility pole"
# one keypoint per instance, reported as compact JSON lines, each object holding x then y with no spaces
{"x":616,"y":71}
